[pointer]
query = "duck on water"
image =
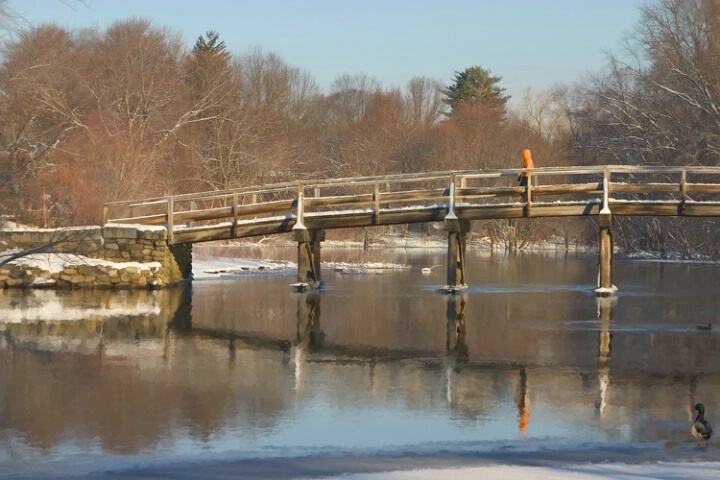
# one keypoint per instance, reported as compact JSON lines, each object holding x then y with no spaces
{"x":701,"y":428}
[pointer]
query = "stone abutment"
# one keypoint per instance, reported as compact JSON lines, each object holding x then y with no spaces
{"x":113,"y":256}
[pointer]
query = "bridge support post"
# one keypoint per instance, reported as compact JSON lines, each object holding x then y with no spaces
{"x":308,"y":248}
{"x":606,"y":247}
{"x":457,"y":233}
{"x":308,"y":258}
{"x":605,"y":286}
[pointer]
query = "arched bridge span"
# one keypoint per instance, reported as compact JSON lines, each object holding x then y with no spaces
{"x":308,"y":207}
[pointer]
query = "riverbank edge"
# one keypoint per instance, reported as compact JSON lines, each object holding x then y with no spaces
{"x":63,"y":271}
{"x":564,"y":463}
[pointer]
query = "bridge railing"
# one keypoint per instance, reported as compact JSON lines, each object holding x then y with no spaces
{"x":554,"y":191}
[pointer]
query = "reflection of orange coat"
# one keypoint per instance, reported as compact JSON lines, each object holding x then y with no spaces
{"x":524,"y":419}
{"x":527,"y":162}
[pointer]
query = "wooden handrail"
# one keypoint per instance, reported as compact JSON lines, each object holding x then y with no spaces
{"x":355,"y":201}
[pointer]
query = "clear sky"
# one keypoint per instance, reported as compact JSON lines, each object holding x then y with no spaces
{"x":530,"y":43}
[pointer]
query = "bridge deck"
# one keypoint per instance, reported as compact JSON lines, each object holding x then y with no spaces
{"x":428,"y":197}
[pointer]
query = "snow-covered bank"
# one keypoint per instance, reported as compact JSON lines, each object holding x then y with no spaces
{"x":218,"y":268}
{"x":67,"y":270}
{"x":616,"y":471}
{"x":550,"y":465}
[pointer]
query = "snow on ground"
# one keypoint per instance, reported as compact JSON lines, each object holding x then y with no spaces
{"x":229,"y":267}
{"x":220,"y":268}
{"x":615,"y":471}
{"x":56,"y":262}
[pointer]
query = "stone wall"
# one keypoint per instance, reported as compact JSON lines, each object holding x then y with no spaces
{"x":80,"y":240}
{"x":114,"y":256}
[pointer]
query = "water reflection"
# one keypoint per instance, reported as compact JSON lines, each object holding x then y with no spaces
{"x":605,"y":306}
{"x":309,"y":334}
{"x":249,"y":365}
{"x":455,"y":316}
{"x":522,"y":398}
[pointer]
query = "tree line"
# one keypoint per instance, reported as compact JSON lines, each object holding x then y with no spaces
{"x":92,"y":116}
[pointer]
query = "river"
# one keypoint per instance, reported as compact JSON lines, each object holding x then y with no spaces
{"x":526,"y":360}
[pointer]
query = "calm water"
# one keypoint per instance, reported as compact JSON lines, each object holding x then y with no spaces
{"x":526,"y":359}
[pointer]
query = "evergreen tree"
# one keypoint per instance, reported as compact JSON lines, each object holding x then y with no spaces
{"x":475,"y":86}
{"x":209,"y":44}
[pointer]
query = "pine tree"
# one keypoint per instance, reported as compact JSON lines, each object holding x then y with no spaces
{"x":209,"y":44}
{"x":475,"y":86}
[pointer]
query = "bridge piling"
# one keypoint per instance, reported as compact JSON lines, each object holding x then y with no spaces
{"x":308,"y":258}
{"x":457,"y":233}
{"x":308,"y":248}
{"x":605,"y":285}
{"x":457,"y":230}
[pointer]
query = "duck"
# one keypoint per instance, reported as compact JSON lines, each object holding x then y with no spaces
{"x":701,"y":428}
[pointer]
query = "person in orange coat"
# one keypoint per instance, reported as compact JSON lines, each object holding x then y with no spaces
{"x":527,"y":163}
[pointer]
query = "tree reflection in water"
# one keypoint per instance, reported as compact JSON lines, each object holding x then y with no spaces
{"x":250,"y":362}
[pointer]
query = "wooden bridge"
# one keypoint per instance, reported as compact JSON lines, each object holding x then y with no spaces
{"x":309,"y":207}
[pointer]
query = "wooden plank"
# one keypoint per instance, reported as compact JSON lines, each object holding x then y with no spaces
{"x":158,"y":219}
{"x":267,"y":208}
{"x":659,"y":209}
{"x":225,"y":232}
{"x":170,"y":220}
{"x":358,"y":219}
{"x":489,"y":212}
{"x":702,"y":188}
{"x":365,"y":198}
{"x":228,"y":212}
{"x":644,"y":187}
{"x":594,"y":188}
{"x":692,"y":209}
{"x":566,"y":209}
{"x":236,"y":214}
{"x":206,"y":214}
{"x":515,"y":210}
{"x":413,"y":196}
{"x":568,"y":189}
{"x":484,"y":192}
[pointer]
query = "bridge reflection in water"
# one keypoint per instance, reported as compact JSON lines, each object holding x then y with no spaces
{"x":226,"y":361}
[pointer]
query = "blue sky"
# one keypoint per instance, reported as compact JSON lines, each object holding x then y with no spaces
{"x":530,"y":43}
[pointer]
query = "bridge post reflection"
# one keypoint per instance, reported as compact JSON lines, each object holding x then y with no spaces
{"x":605,"y":306}
{"x":457,"y":349}
{"x":309,"y":335}
{"x":455,"y":316}
{"x":308,"y":320}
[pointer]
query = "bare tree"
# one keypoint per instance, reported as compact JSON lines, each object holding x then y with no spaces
{"x":658,"y":104}
{"x":39,"y":107}
{"x":424,"y":101}
{"x":12,"y":22}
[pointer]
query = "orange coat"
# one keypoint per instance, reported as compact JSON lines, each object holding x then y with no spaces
{"x":527,"y":162}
